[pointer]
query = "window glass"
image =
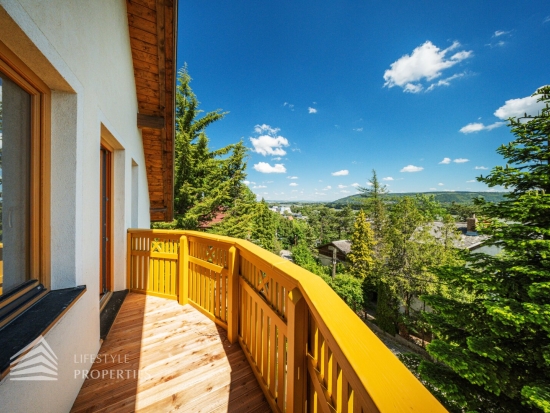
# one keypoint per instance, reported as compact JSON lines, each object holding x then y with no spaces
{"x":15,"y":181}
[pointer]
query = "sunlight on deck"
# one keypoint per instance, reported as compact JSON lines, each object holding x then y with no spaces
{"x":161,"y":356}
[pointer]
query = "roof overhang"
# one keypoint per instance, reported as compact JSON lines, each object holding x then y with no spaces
{"x":153,"y":35}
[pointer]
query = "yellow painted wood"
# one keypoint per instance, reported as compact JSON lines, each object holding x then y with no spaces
{"x":297,"y":348}
{"x":183,"y":294}
{"x":129,"y":261}
{"x":256,"y":293}
{"x":207,"y":265}
{"x":232,"y":296}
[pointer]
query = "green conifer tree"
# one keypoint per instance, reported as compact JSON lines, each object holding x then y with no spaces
{"x":362,"y":254}
{"x":493,"y":351}
{"x":206,"y":181}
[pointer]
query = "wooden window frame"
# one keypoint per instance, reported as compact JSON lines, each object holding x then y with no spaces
{"x":40,"y":188}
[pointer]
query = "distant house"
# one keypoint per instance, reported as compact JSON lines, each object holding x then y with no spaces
{"x":469,"y":237}
{"x":216,"y":218}
{"x":326,"y":251}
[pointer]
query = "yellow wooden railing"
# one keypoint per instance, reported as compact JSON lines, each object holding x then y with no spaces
{"x":308,"y":349}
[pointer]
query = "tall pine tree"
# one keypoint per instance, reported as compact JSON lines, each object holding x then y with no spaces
{"x":206,"y":180}
{"x":493,"y":351}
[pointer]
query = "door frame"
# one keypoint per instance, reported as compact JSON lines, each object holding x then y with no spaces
{"x":106,"y":213}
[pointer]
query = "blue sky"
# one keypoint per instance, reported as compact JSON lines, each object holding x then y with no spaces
{"x":322,"y":92}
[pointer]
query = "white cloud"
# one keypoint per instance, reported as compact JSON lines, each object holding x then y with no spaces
{"x":291,"y":177}
{"x":342,"y":186}
{"x":311,"y":110}
{"x":426,"y":62}
{"x":327,"y":188}
{"x":289,"y":105}
{"x":433,"y":189}
{"x":461,"y":160}
{"x":358,"y":129}
{"x":500,"y":33}
{"x":269,"y":142}
{"x":387,"y":178}
{"x":355,"y":184}
{"x":344,"y":192}
{"x":266,"y":168}
{"x":411,"y":168}
{"x":445,"y":161}
{"x":343,"y":172}
{"x":476,"y":127}
{"x":278,"y":158}
{"x":440,"y":184}
{"x":369,"y":183}
{"x":445,"y":82}
{"x":546,"y":20}
{"x":472,"y":180}
{"x":481,"y":167}
{"x":410,"y":88}
{"x":293,"y":184}
{"x":246,"y":182}
{"x":519,"y":107}
{"x":259,"y":186}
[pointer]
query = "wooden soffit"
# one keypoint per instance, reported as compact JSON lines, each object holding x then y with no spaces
{"x":153,"y":33}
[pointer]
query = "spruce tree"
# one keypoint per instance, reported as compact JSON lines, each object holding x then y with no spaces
{"x":493,"y":350}
{"x":362,"y":256}
{"x":206,"y":181}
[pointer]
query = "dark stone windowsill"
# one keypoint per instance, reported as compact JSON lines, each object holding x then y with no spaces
{"x":34,"y":321}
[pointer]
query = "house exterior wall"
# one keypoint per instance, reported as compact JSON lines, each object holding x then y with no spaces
{"x":81,"y":50}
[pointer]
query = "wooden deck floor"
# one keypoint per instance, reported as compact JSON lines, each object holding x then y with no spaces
{"x":162,"y":357}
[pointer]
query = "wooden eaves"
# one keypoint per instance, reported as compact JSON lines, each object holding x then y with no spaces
{"x":153,"y":30}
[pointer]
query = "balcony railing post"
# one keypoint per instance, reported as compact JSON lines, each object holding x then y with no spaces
{"x":233,"y":296}
{"x":297,"y":346}
{"x":183,"y":261}
{"x":129,"y":261}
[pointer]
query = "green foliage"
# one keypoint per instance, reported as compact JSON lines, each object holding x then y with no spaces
{"x":263,"y":227}
{"x":205,"y":180}
{"x":463,"y":211}
{"x":327,"y":224}
{"x":362,"y":252}
{"x":302,"y":256}
{"x":348,"y":287}
{"x":494,"y":350}
{"x":387,"y":309}
{"x":413,"y":249}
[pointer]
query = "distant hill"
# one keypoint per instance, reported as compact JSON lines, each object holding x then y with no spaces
{"x":444,"y":197}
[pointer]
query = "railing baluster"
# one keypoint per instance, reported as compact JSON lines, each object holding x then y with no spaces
{"x":297,"y":346}
{"x":183,"y":271}
{"x":232,"y":296}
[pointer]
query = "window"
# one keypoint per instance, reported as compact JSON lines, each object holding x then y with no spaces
{"x":24,"y":162}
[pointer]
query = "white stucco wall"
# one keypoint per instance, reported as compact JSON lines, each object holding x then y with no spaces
{"x":83,"y":54}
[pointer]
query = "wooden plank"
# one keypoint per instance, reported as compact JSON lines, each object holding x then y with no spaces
{"x":149,"y":109}
{"x":142,"y":74}
{"x":150,"y":122}
{"x":150,"y":4}
{"x":161,"y":51}
{"x":138,"y":10}
{"x":189,"y":364}
{"x":139,"y":22}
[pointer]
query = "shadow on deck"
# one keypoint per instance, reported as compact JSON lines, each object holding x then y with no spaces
{"x":160,"y":357}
